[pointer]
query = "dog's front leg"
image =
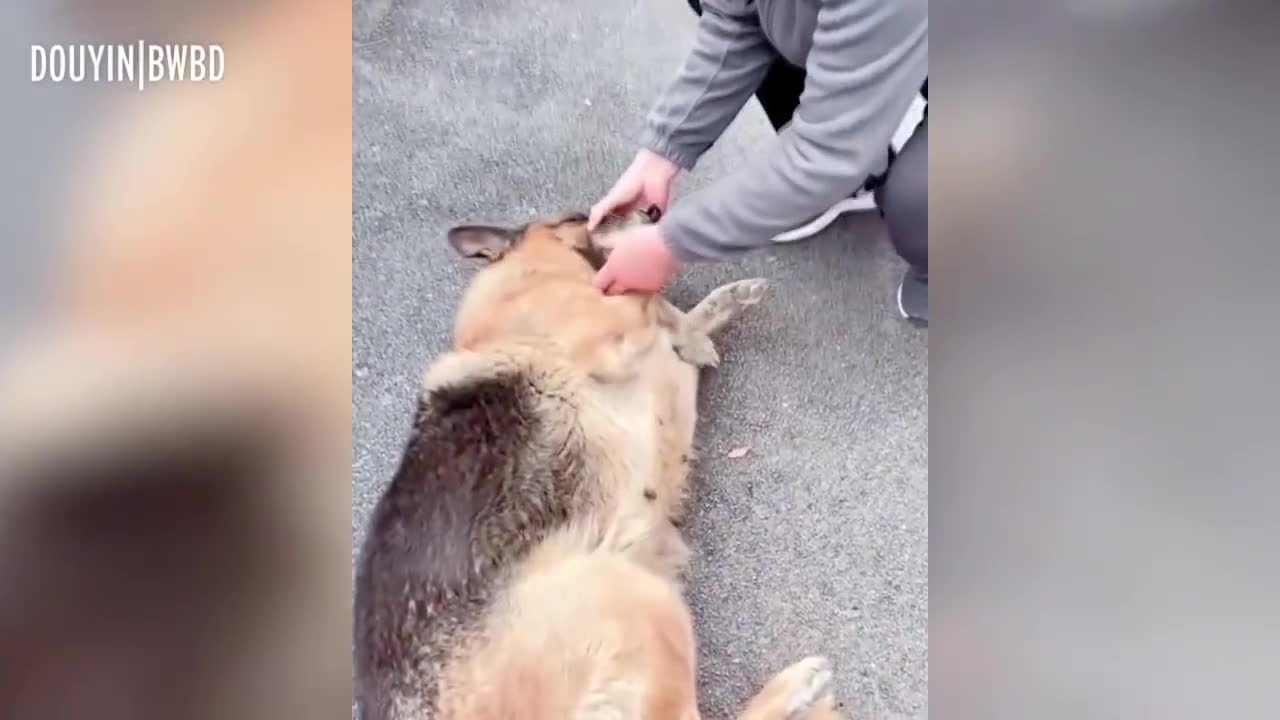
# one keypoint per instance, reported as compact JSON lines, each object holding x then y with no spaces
{"x":724,"y":304}
{"x":691,"y":345}
{"x":693,"y":330}
{"x":801,"y":692}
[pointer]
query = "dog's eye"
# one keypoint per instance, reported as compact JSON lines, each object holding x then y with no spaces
{"x":574,"y":218}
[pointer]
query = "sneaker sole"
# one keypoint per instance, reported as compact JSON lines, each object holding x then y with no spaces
{"x":902,"y":310}
{"x":858,"y":203}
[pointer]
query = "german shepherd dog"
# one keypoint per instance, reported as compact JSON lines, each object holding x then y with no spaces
{"x":525,"y":560}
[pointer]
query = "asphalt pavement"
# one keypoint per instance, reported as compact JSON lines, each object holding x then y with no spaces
{"x":815,"y":541}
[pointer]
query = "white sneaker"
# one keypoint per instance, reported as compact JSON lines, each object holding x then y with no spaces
{"x":913,"y":297}
{"x":862,"y":200}
{"x":910,"y":121}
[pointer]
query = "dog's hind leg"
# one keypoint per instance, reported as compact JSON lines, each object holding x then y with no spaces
{"x":801,"y":692}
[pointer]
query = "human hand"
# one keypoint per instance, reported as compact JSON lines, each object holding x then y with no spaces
{"x":639,"y":261}
{"x":646,"y":182}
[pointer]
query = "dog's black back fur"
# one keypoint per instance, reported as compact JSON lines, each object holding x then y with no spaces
{"x":483,"y":478}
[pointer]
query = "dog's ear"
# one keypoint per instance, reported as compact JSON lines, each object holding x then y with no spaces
{"x":482,"y":241}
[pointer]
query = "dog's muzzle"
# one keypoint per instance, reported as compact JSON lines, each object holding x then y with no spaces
{"x":631,"y":218}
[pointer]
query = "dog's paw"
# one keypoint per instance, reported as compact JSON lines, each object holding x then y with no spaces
{"x":747,"y":292}
{"x":725,"y":303}
{"x":808,"y":681}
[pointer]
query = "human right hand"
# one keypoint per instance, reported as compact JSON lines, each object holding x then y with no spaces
{"x":646,"y":182}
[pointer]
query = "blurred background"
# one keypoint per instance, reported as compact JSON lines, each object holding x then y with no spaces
{"x":174,"y":367}
{"x":1103,"y":406}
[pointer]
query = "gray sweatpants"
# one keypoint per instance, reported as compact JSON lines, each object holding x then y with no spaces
{"x":903,"y":198}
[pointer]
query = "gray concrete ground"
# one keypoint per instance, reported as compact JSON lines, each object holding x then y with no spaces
{"x":814,"y":542}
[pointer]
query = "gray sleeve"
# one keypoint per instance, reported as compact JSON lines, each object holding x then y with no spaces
{"x":730,"y":57}
{"x":868,"y":61}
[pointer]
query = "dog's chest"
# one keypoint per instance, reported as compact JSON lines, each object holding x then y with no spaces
{"x":629,"y":428}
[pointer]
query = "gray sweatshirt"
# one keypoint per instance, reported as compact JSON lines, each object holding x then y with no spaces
{"x":865,"y":61}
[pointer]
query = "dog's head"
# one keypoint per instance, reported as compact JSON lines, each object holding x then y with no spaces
{"x":536,"y":281}
{"x":557,"y":239}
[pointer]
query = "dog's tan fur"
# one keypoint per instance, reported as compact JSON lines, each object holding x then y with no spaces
{"x":577,"y":605}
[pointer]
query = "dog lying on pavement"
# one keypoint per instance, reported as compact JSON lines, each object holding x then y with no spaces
{"x":525,"y":560}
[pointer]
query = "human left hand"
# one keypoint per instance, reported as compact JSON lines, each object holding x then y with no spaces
{"x":640,"y":262}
